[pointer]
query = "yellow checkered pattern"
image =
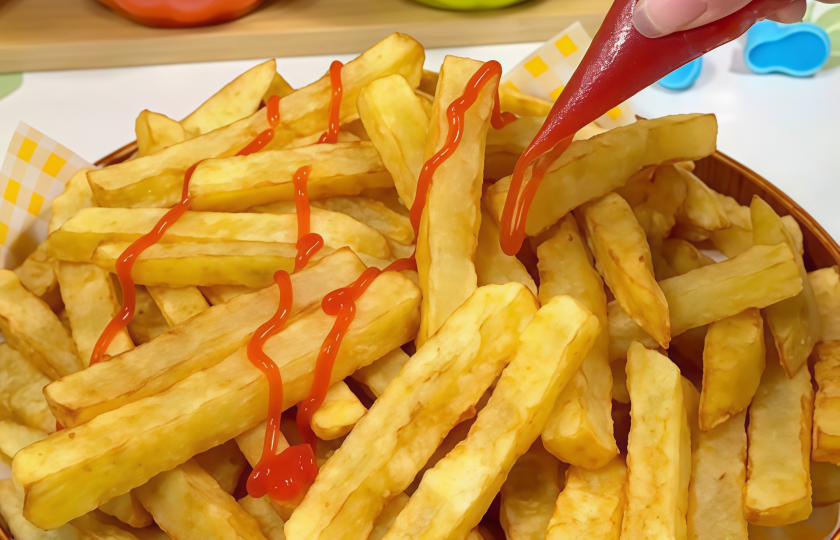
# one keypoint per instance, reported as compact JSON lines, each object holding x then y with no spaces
{"x":33,"y":173}
{"x":545,"y":72}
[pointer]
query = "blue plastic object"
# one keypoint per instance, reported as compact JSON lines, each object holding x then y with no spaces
{"x":798,"y":49}
{"x":682,"y":78}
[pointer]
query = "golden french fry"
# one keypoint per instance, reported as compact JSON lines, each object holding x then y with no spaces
{"x":778,"y":489}
{"x":592,"y":503}
{"x":397,"y":123}
{"x":155,"y":131}
{"x":21,"y":391}
{"x":91,"y":302}
{"x":655,"y":449}
{"x":529,"y":493}
{"x":378,"y":375}
{"x":795,"y":232}
{"x":691,"y":399}
{"x":623,"y":331}
{"x":733,"y":361}
{"x":522,"y":104}
{"x":667,"y":194}
{"x":592,"y":168}
{"x":236,"y":183}
{"x":76,"y":195}
{"x":826,"y":426}
{"x":11,"y":510}
{"x":448,"y":235}
{"x":413,"y":415}
{"x":701,"y":207}
{"x":515,"y":137}
{"x":426,"y":100}
{"x":624,"y":260}
{"x":33,"y":329}
{"x":635,"y":190}
{"x":38,"y":275}
{"x":177,"y":304}
{"x":278,"y":87}
{"x":492,"y":265}
{"x":373,"y":213}
{"x":271,"y":525}
{"x":148,"y":322}
{"x":123,"y":448}
{"x":428,"y":82}
{"x":738,"y":237}
{"x":78,"y":239}
{"x":157,"y":179}
{"x":718,"y":474}
{"x":238,"y":99}
{"x":201,"y":342}
{"x":14,"y":436}
{"x":219,"y":294}
{"x":389,"y":197}
{"x":127,"y":509}
{"x":188,"y":504}
{"x":454,"y":495}
{"x":795,"y":321}
{"x":224,"y":463}
{"x":389,"y":514}
{"x":579,"y":429}
{"x":338,"y":414}
{"x":682,"y":256}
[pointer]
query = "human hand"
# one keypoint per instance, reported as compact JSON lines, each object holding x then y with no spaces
{"x":656,"y":18}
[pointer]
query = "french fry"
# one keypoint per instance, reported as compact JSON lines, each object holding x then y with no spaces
{"x":454,"y":495}
{"x":21,"y":391}
{"x":77,"y":239}
{"x":201,"y":342}
{"x":38,"y":275}
{"x":238,"y":99}
{"x":224,"y":463}
{"x":127,"y":509}
{"x":91,"y":302}
{"x":177,"y":304}
{"x":155,"y":131}
{"x":635,"y":191}
{"x":33,"y":329}
{"x":122,"y":449}
{"x":250,"y":442}
{"x":389,"y":514}
{"x":795,"y":321}
{"x":236,"y":183}
{"x":148,"y":322}
{"x":623,"y":332}
{"x":14,"y":436}
{"x":591,"y":505}
{"x":157,"y":179}
{"x":76,"y":195}
{"x":188,"y":504}
{"x":389,"y":197}
{"x":515,"y":137}
{"x":733,"y":361}
{"x":591,"y":168}
{"x":778,"y":488}
{"x":413,"y":415}
{"x":701,"y":207}
{"x":271,"y":525}
{"x":397,"y":123}
{"x":338,"y":414}
{"x":428,"y":82}
{"x":378,"y":375}
{"x":97,"y":525}
{"x":219,"y":294}
{"x":691,"y":399}
{"x":426,"y":100}
{"x":718,"y":474}
{"x":655,"y":449}
{"x":448,"y":235}
{"x":579,"y":429}
{"x":373,"y":213}
{"x":624,"y":260}
{"x":682,"y":256}
{"x":738,"y":237}
{"x":520,"y":104}
{"x":492,"y":265}
{"x":826,"y":439}
{"x":11,"y":510}
{"x":529,"y":493}
{"x":278,"y":87}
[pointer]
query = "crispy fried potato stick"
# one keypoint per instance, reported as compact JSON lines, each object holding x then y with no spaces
{"x":778,"y":489}
{"x":592,"y":168}
{"x":91,"y":302}
{"x":21,"y":391}
{"x":623,"y":332}
{"x":433,"y":392}
{"x":389,"y":514}
{"x":827,"y":403}
{"x":682,"y":256}
{"x":177,"y":304}
{"x":738,"y":237}
{"x":236,"y":183}
{"x":529,"y":493}
{"x":120,"y":450}
{"x":224,"y":463}
{"x":188,"y":504}
{"x":148,"y":322}
{"x":201,"y":342}
{"x":373,"y":213}
{"x":156,"y":180}
{"x":11,"y":510}
{"x":77,"y":239}
{"x":338,"y":414}
{"x":155,"y":131}
{"x":591,"y":505}
{"x":521,"y":104}
{"x":38,"y":274}
{"x":733,"y":361}
{"x":219,"y":294}
{"x":701,"y":207}
{"x":127,"y":509}
{"x":279,"y":87}
{"x":718,"y":474}
{"x":454,"y":495}
{"x":655,"y":447}
{"x":271,"y":525}
{"x":377,"y":376}
{"x":795,"y":321}
{"x":492,"y":265}
{"x":33,"y":329}
{"x":14,"y":436}
{"x":396,"y":123}
{"x":448,"y":235}
{"x":579,"y":430}
{"x":76,"y":195}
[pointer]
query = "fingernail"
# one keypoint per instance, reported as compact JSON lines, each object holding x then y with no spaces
{"x":654,"y":18}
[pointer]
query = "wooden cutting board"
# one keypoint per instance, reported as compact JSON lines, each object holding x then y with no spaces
{"x":67,"y":34}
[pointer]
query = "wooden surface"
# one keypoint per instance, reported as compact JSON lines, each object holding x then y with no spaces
{"x":66,"y":34}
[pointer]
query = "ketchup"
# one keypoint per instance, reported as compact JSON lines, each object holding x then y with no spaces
{"x":331,"y":136}
{"x":619,"y":62}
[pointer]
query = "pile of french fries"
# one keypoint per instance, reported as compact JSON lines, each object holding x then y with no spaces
{"x":657,"y":363}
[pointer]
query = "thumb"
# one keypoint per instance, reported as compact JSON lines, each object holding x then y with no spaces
{"x":655,"y":18}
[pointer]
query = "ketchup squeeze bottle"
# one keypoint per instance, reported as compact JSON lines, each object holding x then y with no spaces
{"x":619,"y":63}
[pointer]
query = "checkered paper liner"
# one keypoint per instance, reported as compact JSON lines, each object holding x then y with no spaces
{"x":34,"y":172}
{"x":545,"y":72}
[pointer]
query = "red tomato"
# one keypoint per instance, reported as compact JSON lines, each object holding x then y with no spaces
{"x":181,"y":13}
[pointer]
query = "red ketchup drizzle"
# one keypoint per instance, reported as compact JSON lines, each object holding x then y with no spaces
{"x":126,"y":261}
{"x":619,"y":62}
{"x":331,"y":136}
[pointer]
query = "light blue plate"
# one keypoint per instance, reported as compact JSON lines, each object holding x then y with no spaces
{"x":799,"y":49}
{"x":683,"y":77}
